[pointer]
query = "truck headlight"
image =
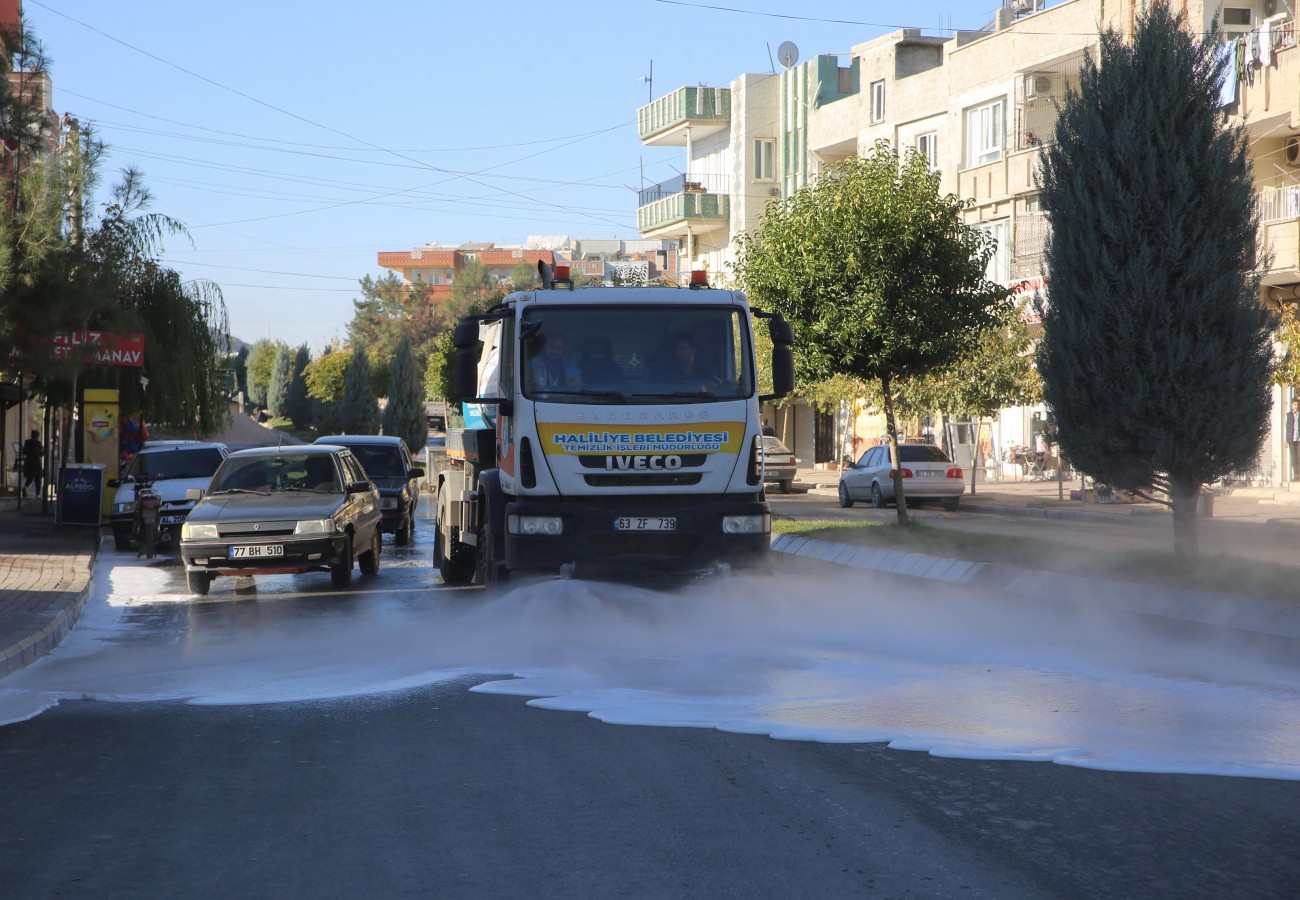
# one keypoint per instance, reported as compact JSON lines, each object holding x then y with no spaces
{"x":314,"y":526}
{"x":128,"y":507}
{"x":759,"y":524}
{"x":547,"y":525}
{"x":199,"y":531}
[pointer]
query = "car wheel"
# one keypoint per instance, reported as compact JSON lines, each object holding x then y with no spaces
{"x":877,"y":498}
{"x":845,"y":500}
{"x":457,"y":567}
{"x":951,"y":503}
{"x":402,"y":534}
{"x":370,"y":559}
{"x":341,"y":574}
{"x":785,"y":485}
{"x":121,"y":539}
{"x":198,"y":583}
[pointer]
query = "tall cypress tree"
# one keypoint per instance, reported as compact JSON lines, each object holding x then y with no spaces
{"x":299,"y":405}
{"x":359,"y":412}
{"x":277,"y":396}
{"x":404,"y":416}
{"x":1156,"y":351}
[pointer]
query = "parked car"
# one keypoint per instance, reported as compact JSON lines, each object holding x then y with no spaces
{"x":778,"y":463}
{"x":172,"y":468}
{"x":272,"y":510}
{"x":928,"y":472}
{"x":388,"y":462}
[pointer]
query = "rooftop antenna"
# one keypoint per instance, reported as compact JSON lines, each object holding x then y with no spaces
{"x":787,"y":54}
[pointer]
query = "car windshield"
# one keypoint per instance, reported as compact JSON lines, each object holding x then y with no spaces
{"x":636,"y":354}
{"x":921,"y":453}
{"x":281,"y":472}
{"x":163,"y":464}
{"x":379,"y":461}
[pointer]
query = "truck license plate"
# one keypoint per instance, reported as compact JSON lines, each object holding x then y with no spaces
{"x":650,"y":523}
{"x":255,"y":551}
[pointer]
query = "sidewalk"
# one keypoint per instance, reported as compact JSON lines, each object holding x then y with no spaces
{"x":44,"y":580}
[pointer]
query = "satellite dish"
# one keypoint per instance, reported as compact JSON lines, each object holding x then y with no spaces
{"x":787,"y":53}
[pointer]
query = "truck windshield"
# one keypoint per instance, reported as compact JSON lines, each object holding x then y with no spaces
{"x":636,"y":354}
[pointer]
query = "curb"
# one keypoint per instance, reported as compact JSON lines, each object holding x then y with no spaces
{"x":1265,"y":617}
{"x":34,"y":646}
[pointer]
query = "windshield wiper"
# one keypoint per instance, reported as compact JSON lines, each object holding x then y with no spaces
{"x":242,"y":491}
{"x":294,"y":487}
{"x":588,"y":392}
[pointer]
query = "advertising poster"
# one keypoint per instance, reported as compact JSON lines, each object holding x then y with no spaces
{"x":81,"y":494}
{"x":100,"y":430}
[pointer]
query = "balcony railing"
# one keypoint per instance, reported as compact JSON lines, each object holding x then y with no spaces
{"x":683,"y":105}
{"x":679,"y":207}
{"x":1028,"y":244}
{"x":684,"y":184}
{"x":1279,"y":204}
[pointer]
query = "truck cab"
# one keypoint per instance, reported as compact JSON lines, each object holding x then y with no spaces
{"x":618,"y":433}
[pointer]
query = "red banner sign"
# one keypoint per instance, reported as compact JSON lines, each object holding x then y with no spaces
{"x":102,"y":347}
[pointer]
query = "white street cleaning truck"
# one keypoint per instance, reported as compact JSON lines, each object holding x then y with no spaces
{"x":612,"y":431}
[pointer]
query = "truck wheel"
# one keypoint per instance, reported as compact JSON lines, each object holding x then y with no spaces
{"x":370,"y":559}
{"x":458,"y":567}
{"x":490,"y":571}
{"x":198,"y":583}
{"x":341,"y":574}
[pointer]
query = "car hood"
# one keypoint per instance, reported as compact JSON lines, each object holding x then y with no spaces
{"x":172,"y":490}
{"x":276,"y":505}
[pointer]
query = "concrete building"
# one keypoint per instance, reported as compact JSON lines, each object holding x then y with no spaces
{"x":980,"y":105}
{"x":438,"y":266}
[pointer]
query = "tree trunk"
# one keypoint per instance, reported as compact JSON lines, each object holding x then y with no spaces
{"x":1183,"y":497}
{"x":891,"y":428}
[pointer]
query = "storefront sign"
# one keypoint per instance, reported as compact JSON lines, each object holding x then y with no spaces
{"x":100,"y":347}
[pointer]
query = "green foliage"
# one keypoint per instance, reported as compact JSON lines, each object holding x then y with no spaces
{"x":523,"y":277}
{"x":359,"y":410}
{"x":404,"y":415}
{"x":876,"y":273}
{"x":261,"y":363}
{"x":299,"y":405}
{"x":277,"y":395}
{"x":390,"y":311}
{"x":1287,"y":369}
{"x":438,"y":375}
{"x":326,"y":375}
{"x":1156,"y":355}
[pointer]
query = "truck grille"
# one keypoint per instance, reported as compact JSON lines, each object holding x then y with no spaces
{"x":645,"y":542}
{"x":656,"y":479}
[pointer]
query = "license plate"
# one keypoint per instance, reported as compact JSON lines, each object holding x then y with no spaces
{"x":929,"y":473}
{"x":172,"y":520}
{"x":650,"y":523}
{"x":255,"y":551}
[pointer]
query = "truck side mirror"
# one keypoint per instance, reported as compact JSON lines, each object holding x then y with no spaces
{"x":466,"y":335}
{"x":782,"y":370}
{"x":779,"y":330}
{"x":465,"y":372}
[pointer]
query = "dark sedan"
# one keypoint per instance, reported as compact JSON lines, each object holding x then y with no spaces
{"x":274,"y":510}
{"x":388,"y":463}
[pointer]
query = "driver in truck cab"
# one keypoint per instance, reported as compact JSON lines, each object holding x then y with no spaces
{"x":685,"y":369}
{"x":550,"y":370}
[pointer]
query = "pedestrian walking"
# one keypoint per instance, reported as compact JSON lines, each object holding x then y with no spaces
{"x":1293,"y":438}
{"x":33,"y":462}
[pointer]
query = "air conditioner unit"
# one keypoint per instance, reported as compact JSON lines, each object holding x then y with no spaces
{"x":1038,"y":86}
{"x":1293,"y":151}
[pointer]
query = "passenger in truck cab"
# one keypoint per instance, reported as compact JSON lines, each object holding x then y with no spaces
{"x":685,"y":369}
{"x":549,"y":369}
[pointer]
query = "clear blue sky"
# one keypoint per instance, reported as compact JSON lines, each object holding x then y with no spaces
{"x":295,"y":140}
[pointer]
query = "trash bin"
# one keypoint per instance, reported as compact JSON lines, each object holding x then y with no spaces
{"x":1205,"y":505}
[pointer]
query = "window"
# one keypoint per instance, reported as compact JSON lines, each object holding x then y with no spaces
{"x":999,"y":267}
{"x":1236,"y":16}
{"x":928,"y":146}
{"x":764,"y":159}
{"x":878,"y":101}
{"x":985,"y":126}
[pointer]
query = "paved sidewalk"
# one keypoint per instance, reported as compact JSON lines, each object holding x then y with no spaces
{"x":44,"y":580}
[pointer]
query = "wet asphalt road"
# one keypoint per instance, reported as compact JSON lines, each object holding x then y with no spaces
{"x":440,"y":792}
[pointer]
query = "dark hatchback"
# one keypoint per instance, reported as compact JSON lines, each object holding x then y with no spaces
{"x":274,"y":510}
{"x":388,"y":462}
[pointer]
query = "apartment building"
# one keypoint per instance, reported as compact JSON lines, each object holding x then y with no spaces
{"x":437,"y":266}
{"x":980,"y":105}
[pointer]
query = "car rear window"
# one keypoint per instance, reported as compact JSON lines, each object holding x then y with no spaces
{"x":774,"y":445}
{"x":198,"y":463}
{"x":379,"y":462}
{"x":921,"y":453}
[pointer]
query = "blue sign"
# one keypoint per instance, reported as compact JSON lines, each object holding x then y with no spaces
{"x":81,"y":494}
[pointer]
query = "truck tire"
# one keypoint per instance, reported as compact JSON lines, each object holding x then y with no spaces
{"x":456,"y":568}
{"x":491,"y":573}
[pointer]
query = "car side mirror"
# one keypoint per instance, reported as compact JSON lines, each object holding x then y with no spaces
{"x":194,"y":493}
{"x":358,"y":487}
{"x":415,"y":472}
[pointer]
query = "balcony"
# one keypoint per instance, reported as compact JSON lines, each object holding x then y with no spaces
{"x":690,"y":183}
{"x":664,"y":122}
{"x":1279,"y":228}
{"x":1027,"y":246}
{"x":672,"y":214}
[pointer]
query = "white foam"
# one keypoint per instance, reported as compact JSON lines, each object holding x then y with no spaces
{"x":972,"y":677}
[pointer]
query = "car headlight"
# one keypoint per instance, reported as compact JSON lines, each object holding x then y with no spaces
{"x":314,"y":526}
{"x":199,"y":531}
{"x":128,"y":507}
{"x":547,"y":525}
{"x":759,"y":524}
{"x":388,"y":503}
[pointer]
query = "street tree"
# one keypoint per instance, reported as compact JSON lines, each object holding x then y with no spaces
{"x":877,"y":273}
{"x":404,"y":415}
{"x":390,"y":310}
{"x":359,"y":411}
{"x":277,"y":395}
{"x":260,"y":364}
{"x":1156,"y":352}
{"x":299,"y":404}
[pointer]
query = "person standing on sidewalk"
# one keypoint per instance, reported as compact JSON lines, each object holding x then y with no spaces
{"x":1293,"y":438}
{"x":33,"y":462}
